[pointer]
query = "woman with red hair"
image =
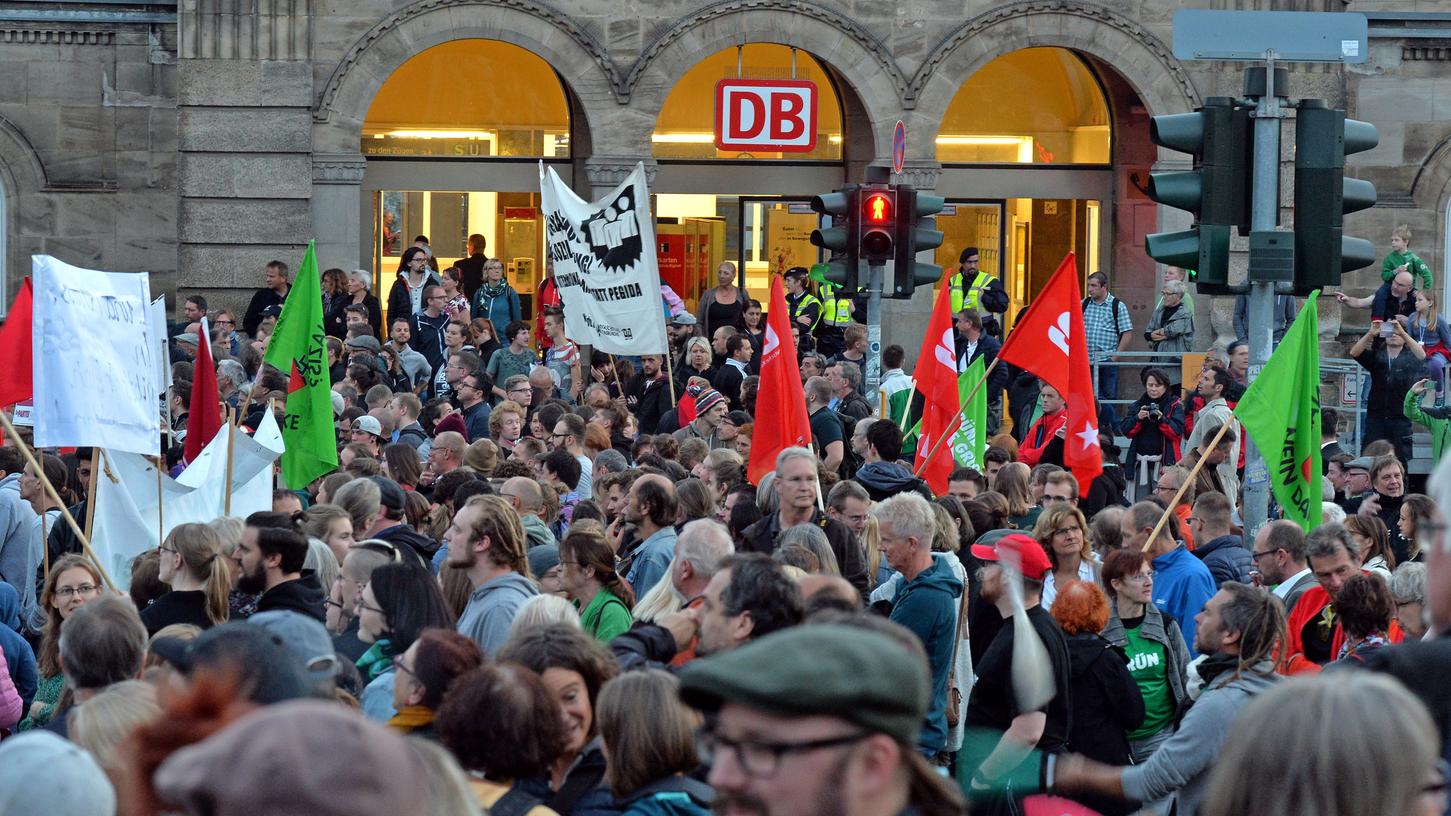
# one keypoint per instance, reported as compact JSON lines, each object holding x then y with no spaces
{"x":1106,"y":700}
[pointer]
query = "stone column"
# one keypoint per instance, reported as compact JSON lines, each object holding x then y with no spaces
{"x":605,"y":173}
{"x":336,"y":204}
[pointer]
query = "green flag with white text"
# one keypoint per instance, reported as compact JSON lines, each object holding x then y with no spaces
{"x":970,"y":442}
{"x":1281,"y":412}
{"x":299,"y":347}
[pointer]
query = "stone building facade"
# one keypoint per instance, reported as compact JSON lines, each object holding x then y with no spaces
{"x":198,"y":139}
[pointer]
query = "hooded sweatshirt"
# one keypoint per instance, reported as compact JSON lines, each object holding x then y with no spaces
{"x":883,"y":479}
{"x":19,"y":657}
{"x":927,"y":605}
{"x":18,"y":558}
{"x":403,"y":535}
{"x":491,"y":610}
{"x":1180,"y":768}
{"x":304,"y":595}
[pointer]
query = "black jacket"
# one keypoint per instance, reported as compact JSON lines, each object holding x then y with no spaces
{"x":427,"y":337}
{"x":304,"y":595}
{"x":885,"y":479}
{"x":404,"y":536}
{"x":176,"y":607}
{"x":1227,"y":559}
{"x":1106,"y":705}
{"x":335,"y":323}
{"x":649,"y":400}
{"x":261,"y":299}
{"x":398,"y":301}
{"x":471,"y":271}
{"x":728,"y":381}
{"x":850,"y":557}
{"x":1107,"y":490}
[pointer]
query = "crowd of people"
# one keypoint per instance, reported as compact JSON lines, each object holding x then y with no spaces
{"x":532,"y":588}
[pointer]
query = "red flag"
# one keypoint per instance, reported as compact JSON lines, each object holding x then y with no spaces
{"x":781,"y":420}
{"x":936,"y":375}
{"x":1049,"y":341}
{"x":16,"y":383}
{"x":204,"y":415}
{"x":1044,"y":805}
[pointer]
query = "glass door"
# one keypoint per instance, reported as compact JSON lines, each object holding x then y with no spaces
{"x":774,"y":235}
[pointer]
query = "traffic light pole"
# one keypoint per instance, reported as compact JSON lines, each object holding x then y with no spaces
{"x":875,"y":275}
{"x":1264,"y":208}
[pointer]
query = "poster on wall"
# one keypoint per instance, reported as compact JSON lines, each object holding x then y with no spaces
{"x":605,"y":264}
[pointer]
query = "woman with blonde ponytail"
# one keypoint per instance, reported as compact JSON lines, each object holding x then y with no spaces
{"x":193,"y":565}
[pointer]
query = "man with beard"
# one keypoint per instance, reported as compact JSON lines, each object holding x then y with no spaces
{"x":648,"y":394}
{"x":1239,"y":629}
{"x":651,"y":508}
{"x":269,"y":560}
{"x":486,"y":541}
{"x":818,"y":720}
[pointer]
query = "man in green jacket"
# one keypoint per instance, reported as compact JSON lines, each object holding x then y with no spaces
{"x":1437,"y":419}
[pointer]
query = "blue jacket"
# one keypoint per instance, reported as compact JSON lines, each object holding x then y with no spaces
{"x":927,"y":605}
{"x":1182,"y":585}
{"x":19,"y":657}
{"x":500,"y":310}
{"x":1227,"y":559}
{"x":652,"y":561}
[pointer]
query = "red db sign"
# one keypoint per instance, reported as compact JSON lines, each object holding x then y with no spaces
{"x":764,"y":114}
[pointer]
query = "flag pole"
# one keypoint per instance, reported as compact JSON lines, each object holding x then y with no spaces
{"x":956,"y":418}
{"x":1188,"y":480}
{"x":50,"y":488}
{"x":614,"y":370}
{"x":906,"y":411}
{"x":91,"y":492}
{"x":670,"y":374}
{"x":160,"y":512}
{"x":231,"y":437}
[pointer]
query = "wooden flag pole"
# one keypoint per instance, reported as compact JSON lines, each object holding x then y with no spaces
{"x":670,"y":377}
{"x":616,"y":371}
{"x":160,"y":512}
{"x":231,"y":437}
{"x":1188,"y":480}
{"x":50,"y":489}
{"x":91,"y":491}
{"x":956,"y":418}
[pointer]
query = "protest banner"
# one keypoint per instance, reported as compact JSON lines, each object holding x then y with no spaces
{"x":605,"y":265}
{"x":95,"y":371}
{"x":129,"y":494}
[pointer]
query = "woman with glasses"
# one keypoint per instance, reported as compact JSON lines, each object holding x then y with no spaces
{"x":1063,"y":533}
{"x":400,"y":600}
{"x":649,"y":738}
{"x":406,"y":297}
{"x":589,"y":577}
{"x":1154,"y":644}
{"x":193,"y":566}
{"x":574,"y":666}
{"x":424,"y":672}
{"x":74,"y":581}
{"x":495,"y":299}
{"x":342,"y":603}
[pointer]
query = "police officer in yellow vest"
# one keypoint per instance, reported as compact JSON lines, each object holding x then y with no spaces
{"x":974,"y":289}
{"x":836,"y":315}
{"x":804,"y":308}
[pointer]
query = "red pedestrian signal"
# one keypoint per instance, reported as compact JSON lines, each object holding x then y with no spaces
{"x":877,"y":209}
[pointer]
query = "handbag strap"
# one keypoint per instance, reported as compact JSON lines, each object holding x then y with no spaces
{"x":957,"y":634}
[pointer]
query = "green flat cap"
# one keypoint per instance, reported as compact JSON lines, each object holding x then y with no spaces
{"x":859,"y":675}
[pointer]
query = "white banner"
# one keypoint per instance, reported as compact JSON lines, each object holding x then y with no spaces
{"x":605,"y":265}
{"x":127,"y":520}
{"x":161,"y":341}
{"x":95,"y":362}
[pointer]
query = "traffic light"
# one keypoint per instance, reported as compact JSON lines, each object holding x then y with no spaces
{"x":878,"y":206}
{"x":1323,"y":138}
{"x":1217,"y":191}
{"x":915,"y":233}
{"x":840,"y":239}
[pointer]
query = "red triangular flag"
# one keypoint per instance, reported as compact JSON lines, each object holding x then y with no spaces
{"x":936,"y":376}
{"x":204,"y":417}
{"x":781,"y":419}
{"x":16,"y":367}
{"x":1049,"y":341}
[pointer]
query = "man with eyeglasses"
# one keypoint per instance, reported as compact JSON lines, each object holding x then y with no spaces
{"x":818,"y":720}
{"x":472,"y":390}
{"x":1164,"y":489}
{"x":1219,"y":548}
{"x":517,"y":389}
{"x":1279,"y":559}
{"x":1060,"y":486}
{"x":428,"y":327}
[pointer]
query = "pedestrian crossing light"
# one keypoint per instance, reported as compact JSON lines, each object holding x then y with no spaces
{"x":916,"y":232}
{"x":1217,"y":191}
{"x":839,"y":239}
{"x":878,"y":224}
{"x":1323,"y":196}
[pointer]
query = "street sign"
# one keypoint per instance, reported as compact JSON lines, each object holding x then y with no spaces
{"x":899,"y":146}
{"x":764,"y":114}
{"x":1293,"y":36}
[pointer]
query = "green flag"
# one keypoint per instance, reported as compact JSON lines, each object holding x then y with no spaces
{"x":970,"y":442}
{"x":298,"y":346}
{"x":1281,"y":413}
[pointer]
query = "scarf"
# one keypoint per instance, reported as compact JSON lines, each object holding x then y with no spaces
{"x":375,"y":661}
{"x":1214,"y":665}
{"x":411,"y":718}
{"x":494,"y":291}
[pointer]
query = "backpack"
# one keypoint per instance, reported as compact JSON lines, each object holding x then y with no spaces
{"x":1113,"y":304}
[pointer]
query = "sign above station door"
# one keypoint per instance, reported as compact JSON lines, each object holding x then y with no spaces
{"x":771,"y":115}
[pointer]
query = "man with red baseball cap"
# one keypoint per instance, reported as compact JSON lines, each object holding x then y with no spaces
{"x":993,"y":706}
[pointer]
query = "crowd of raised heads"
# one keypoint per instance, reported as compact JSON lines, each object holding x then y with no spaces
{"x":532,"y":588}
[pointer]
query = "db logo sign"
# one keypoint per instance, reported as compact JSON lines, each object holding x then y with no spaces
{"x":764,"y":114}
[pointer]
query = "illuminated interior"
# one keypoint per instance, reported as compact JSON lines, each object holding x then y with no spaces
{"x":1065,"y":119}
{"x":470,"y":99}
{"x":686,"y":126}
